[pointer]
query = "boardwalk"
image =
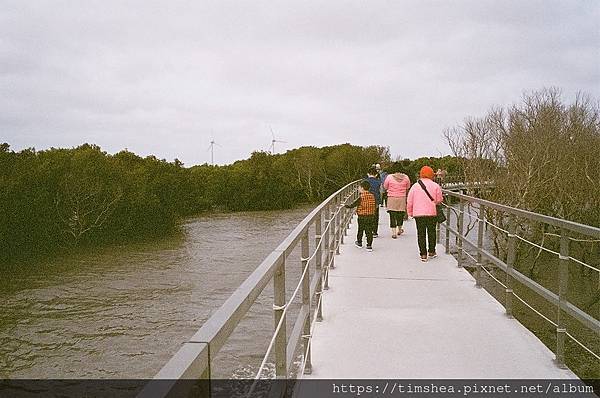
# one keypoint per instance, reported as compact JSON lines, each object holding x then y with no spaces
{"x":388,"y":315}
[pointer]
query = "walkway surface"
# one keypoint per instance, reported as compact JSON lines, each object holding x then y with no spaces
{"x":388,"y":315}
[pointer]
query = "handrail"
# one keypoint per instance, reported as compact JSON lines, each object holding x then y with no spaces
{"x":557,"y":222}
{"x":291,"y":299}
{"x":560,"y":300}
{"x":193,"y":359}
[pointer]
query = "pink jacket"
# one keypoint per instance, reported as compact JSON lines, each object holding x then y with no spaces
{"x":418,"y":203}
{"x":396,"y":188}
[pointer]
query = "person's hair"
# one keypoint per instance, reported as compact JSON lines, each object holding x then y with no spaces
{"x":366,"y":185}
{"x":372,"y":171}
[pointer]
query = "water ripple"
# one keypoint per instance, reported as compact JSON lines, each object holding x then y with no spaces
{"x":123,"y":312}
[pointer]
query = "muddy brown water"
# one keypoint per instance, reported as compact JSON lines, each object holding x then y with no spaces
{"x":123,"y":312}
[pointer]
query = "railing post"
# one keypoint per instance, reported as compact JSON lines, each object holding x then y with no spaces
{"x":449,"y":212}
{"x":350,"y":198}
{"x":319,"y":264}
{"x":306,"y":302}
{"x":510,"y":262}
{"x":338,"y":224}
{"x":563,"y":284}
{"x":332,"y":234}
{"x":461,"y":220}
{"x":480,"y":229}
{"x":325,"y":246}
{"x":342,"y":223}
{"x":346,"y":219}
{"x":278,"y":307}
{"x":350,"y":195}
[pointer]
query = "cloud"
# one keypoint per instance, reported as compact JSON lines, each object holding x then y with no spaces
{"x":164,"y":77}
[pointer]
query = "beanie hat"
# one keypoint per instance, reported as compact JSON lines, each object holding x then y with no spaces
{"x":426,"y":172}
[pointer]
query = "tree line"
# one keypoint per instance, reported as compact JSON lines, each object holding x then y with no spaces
{"x":57,"y":199}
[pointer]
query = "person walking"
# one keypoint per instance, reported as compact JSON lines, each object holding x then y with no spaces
{"x":366,"y":205}
{"x":397,"y":185}
{"x":421,"y":204}
{"x":382,"y":176}
{"x":372,"y":177}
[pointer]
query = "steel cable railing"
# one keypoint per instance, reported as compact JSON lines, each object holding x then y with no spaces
{"x":474,"y":217}
{"x":533,"y":309}
{"x":289,"y":302}
{"x":194,"y":358}
{"x":329,"y":223}
{"x":563,"y":255}
{"x":493,"y":277}
{"x":302,"y":366}
{"x":583,"y":346}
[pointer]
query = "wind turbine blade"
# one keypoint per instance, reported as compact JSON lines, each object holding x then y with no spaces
{"x":272,"y":133}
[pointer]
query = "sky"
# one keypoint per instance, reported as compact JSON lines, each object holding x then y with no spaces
{"x":167,"y":77}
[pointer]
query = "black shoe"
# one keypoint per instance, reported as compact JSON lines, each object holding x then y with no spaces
{"x":369,"y":248}
{"x":358,"y":244}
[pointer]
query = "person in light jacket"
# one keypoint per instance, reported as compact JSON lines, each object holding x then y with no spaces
{"x":423,"y":209}
{"x":397,"y":185}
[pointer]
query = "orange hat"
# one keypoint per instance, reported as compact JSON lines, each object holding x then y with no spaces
{"x":426,"y":172}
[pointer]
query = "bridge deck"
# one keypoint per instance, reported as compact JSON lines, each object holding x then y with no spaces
{"x":388,"y":315}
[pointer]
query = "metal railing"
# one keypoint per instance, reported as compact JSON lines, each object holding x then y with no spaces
{"x":459,"y":185}
{"x":563,"y":306}
{"x":194,"y":360}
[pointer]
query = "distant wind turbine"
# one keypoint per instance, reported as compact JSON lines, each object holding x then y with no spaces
{"x":273,"y":141}
{"x":211,"y":148}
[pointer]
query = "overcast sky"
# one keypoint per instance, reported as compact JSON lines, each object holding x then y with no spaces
{"x":163,"y":77}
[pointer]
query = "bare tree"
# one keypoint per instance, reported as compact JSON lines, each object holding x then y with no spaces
{"x":542,"y":155}
{"x":310,"y":171}
{"x":83,"y":205}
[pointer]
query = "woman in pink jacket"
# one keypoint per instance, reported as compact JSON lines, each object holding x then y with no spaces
{"x":423,"y":209}
{"x":397,"y":185}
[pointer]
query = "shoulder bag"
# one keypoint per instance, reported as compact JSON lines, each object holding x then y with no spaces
{"x":438,"y":208}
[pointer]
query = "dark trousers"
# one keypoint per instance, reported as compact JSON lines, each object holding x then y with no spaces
{"x":426,"y":233}
{"x":396,"y":218}
{"x":376,"y":221}
{"x":365,"y":224}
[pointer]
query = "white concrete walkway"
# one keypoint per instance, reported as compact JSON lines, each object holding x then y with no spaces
{"x":388,"y":315}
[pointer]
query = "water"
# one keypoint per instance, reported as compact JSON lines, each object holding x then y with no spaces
{"x":123,"y":312}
